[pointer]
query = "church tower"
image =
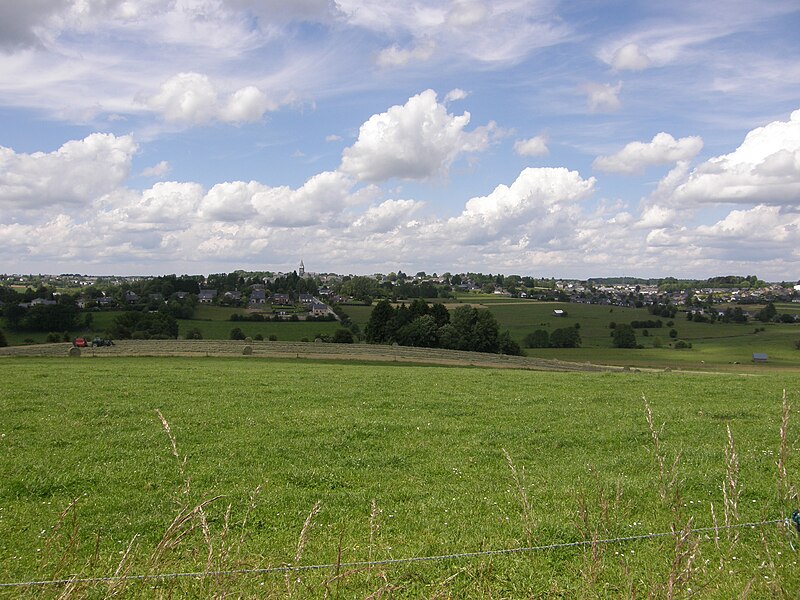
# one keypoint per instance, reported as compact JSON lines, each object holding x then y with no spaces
{"x":302,"y":270}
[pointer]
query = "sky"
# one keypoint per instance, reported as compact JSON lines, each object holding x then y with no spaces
{"x":566,"y":139}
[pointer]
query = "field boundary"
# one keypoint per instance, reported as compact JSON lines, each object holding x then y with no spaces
{"x":306,"y":350}
{"x":289,"y":568}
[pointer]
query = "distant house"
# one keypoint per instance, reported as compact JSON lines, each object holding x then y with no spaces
{"x":559,"y":313}
{"x":206,"y":296}
{"x":318,"y":309}
{"x":105,"y":301}
{"x":280,"y":299}
{"x":130,"y":297}
{"x":180,"y":295}
{"x":258,"y":297}
{"x":43,"y":302}
{"x":759,"y":357}
{"x":306,"y":299}
{"x":233,"y":296}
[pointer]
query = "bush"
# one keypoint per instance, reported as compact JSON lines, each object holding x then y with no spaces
{"x":796,"y":344}
{"x":273,"y":338}
{"x":682,"y":345}
{"x":342,"y":336}
{"x":259,"y":337}
{"x":237,"y":334}
{"x":53,"y":337}
{"x":673,"y":333}
{"x":3,"y":340}
{"x":194,"y":334}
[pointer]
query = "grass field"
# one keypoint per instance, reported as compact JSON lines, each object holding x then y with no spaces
{"x":404,"y":461}
{"x":716,"y":345}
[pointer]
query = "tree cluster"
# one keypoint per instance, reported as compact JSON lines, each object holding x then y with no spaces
{"x":668,"y":311}
{"x":624,"y":336}
{"x":54,"y":317}
{"x":649,"y":324}
{"x":139,"y":325}
{"x":433,"y":326}
{"x":564,"y":337}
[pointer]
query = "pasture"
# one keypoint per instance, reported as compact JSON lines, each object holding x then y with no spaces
{"x":307,"y":462}
{"x":715,"y":346}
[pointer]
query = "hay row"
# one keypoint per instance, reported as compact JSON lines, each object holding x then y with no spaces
{"x":308,"y":350}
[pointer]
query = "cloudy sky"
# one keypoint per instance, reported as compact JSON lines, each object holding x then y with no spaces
{"x":546,"y":138}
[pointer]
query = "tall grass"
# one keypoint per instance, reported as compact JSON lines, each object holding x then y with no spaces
{"x":212,"y":533}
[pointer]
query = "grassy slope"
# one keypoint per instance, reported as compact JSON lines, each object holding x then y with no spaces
{"x":715,"y":344}
{"x":425,"y":442}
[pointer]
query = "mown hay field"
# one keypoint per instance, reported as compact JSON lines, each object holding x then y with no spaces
{"x":309,"y":462}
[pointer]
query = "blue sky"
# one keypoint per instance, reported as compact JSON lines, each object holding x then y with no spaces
{"x":566,"y":139}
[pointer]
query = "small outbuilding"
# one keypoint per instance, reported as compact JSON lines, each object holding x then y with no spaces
{"x":759,"y":357}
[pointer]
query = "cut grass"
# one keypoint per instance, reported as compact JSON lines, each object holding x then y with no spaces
{"x":405,"y":461}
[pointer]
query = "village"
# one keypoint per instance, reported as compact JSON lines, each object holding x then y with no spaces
{"x":314,"y":293}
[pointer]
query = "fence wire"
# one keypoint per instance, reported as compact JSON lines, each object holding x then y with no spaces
{"x":289,"y":568}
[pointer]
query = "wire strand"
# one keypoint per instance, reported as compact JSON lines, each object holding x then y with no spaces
{"x":288,"y":568}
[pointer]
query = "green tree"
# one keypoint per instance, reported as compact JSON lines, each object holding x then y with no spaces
{"x":472,"y":330}
{"x":538,"y":339}
{"x":360,"y":288}
{"x":767,"y":314}
{"x":237,"y":334}
{"x":3,"y":340}
{"x":624,"y":336}
{"x":566,"y":337}
{"x":342,"y":336}
{"x":379,"y":327}
{"x":508,"y":345}
{"x":440,"y":314}
{"x":139,"y":325}
{"x":422,"y":332}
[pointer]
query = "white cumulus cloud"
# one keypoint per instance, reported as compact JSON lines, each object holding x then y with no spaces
{"x":535,"y":202}
{"x":415,"y":141}
{"x":765,"y":168}
{"x":77,"y":173}
{"x":535,"y":146}
{"x":193,"y":99}
{"x":663,"y":149}
{"x":386,"y":216}
{"x":454,"y":95}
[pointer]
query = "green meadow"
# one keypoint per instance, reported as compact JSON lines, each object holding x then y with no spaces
{"x":262,"y":463}
{"x":715,"y":346}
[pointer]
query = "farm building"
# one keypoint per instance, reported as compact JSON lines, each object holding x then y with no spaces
{"x":759,"y":357}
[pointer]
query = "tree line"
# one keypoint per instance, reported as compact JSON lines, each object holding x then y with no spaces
{"x":433,"y":326}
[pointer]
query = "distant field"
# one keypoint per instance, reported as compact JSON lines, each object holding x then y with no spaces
{"x":426,"y":444}
{"x":715,"y":345}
